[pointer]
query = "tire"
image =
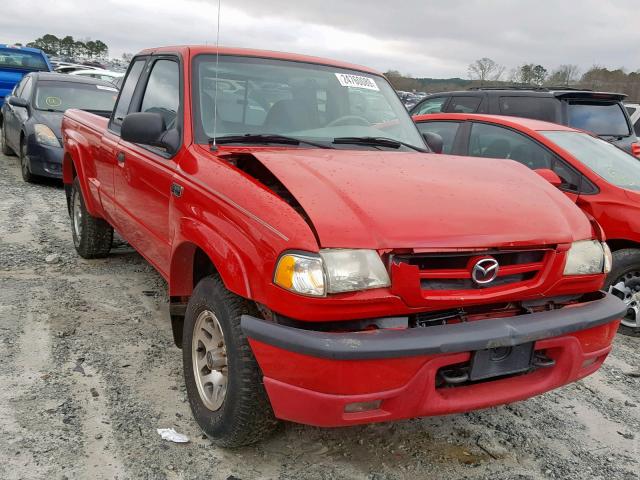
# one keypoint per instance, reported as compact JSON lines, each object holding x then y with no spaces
{"x":27,"y":176}
{"x":92,"y":236}
{"x":241,"y":415}
{"x":5,"y":148}
{"x":624,"y":282}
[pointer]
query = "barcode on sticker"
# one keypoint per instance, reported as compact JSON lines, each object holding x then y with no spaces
{"x":357,"y":81}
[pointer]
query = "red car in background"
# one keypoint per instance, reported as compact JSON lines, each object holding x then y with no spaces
{"x":601,"y":178}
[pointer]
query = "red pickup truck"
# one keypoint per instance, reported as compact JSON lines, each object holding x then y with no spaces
{"x":322,"y":266}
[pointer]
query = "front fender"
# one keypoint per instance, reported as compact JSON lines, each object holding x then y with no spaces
{"x":191,"y":235}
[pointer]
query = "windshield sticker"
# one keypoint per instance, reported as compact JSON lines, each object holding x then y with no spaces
{"x":109,"y":89}
{"x":356,"y":81}
{"x":53,"y":101}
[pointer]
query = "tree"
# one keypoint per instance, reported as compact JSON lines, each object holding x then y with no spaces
{"x":127,"y":56}
{"x":67,"y":46}
{"x":48,"y":43}
{"x":564,"y":75}
{"x":485,"y":69}
{"x":530,"y":74}
{"x":101,"y":50}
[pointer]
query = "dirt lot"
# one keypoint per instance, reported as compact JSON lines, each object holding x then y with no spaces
{"x":89,"y":372}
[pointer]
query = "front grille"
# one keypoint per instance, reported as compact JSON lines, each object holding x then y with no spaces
{"x":453,"y":271}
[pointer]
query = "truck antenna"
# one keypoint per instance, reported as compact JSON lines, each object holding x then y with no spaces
{"x":214,"y":146}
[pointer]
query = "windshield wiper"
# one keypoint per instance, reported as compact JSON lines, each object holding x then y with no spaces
{"x":376,"y":141}
{"x":265,"y":138}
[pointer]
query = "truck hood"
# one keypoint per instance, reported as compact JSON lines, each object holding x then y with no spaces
{"x":384,"y":200}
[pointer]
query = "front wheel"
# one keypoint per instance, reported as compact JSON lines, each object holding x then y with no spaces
{"x":92,"y":236}
{"x":624,"y":283}
{"x":223,"y":380}
{"x":27,"y":176}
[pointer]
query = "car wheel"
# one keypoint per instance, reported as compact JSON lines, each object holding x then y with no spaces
{"x":92,"y":236}
{"x":223,"y":380}
{"x":27,"y":176}
{"x":624,"y":283}
{"x":5,"y":148}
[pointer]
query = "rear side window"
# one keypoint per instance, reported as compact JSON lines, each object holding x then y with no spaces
{"x":464,"y":104}
{"x":636,"y":127}
{"x":162,"y":94}
{"x":539,"y":108}
{"x":126,"y":93}
{"x":432,"y":105}
{"x":446,"y":130}
{"x":630,"y":110}
{"x":492,"y":141}
{"x":598,"y":117}
{"x":18,"y":59}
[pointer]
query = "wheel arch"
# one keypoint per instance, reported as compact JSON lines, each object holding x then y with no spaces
{"x":616,"y":244}
{"x":200,"y":253}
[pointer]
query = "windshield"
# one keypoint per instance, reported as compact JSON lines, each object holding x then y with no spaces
{"x":611,"y":163}
{"x":307,"y":101}
{"x":605,"y":119}
{"x":58,"y":96}
{"x":14,"y":58}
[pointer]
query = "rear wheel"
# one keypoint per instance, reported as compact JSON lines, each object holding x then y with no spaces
{"x":27,"y":176}
{"x":5,"y":148}
{"x":92,"y":236}
{"x":624,"y":283}
{"x":224,"y":382}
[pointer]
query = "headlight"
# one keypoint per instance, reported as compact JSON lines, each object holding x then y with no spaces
{"x":332,"y":271}
{"x":587,"y":257}
{"x":44,"y":135}
{"x":301,"y":273}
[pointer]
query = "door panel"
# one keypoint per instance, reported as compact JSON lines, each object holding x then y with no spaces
{"x":142,"y":183}
{"x":142,"y":175}
{"x":105,"y":161}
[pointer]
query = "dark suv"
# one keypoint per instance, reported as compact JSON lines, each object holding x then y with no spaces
{"x":597,"y":112}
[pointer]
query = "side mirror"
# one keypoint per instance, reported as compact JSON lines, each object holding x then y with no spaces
{"x":18,"y":102}
{"x":550,"y":176}
{"x":434,"y":141}
{"x":149,"y":128}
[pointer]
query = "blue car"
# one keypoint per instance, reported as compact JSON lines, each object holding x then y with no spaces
{"x":16,"y":62}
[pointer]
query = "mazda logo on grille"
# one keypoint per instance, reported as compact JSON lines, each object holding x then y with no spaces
{"x":485,"y":271}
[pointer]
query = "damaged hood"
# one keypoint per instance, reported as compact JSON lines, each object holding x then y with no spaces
{"x":382,"y":200}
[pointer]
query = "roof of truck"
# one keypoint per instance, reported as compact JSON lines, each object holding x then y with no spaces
{"x":208,"y":49}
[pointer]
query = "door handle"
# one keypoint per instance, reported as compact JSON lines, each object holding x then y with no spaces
{"x":120,"y":157}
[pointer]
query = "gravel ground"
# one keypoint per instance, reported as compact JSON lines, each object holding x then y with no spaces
{"x":89,"y":372}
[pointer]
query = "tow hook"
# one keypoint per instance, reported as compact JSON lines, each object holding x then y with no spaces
{"x":540,"y":360}
{"x":455,"y":376}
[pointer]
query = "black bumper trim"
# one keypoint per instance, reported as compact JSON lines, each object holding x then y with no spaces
{"x":454,"y":338}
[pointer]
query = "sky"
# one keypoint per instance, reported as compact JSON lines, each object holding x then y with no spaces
{"x":423,"y":38}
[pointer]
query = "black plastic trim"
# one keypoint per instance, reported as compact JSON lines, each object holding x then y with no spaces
{"x":460,"y":337}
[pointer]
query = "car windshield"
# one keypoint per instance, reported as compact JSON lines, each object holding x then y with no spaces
{"x":302,"y":100}
{"x":15,"y":58}
{"x":605,"y":119}
{"x":611,"y":163}
{"x":59,"y":96}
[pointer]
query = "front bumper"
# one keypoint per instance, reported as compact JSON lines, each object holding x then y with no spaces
{"x":312,"y":376}
{"x":44,"y":160}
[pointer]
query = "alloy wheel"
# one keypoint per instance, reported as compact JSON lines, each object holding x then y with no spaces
{"x":209,"y":357}
{"x":627,"y":289}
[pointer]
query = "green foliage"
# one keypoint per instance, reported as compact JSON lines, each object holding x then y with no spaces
{"x":69,"y":47}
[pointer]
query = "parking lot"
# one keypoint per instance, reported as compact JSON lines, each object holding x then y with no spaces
{"x":90,"y":372}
